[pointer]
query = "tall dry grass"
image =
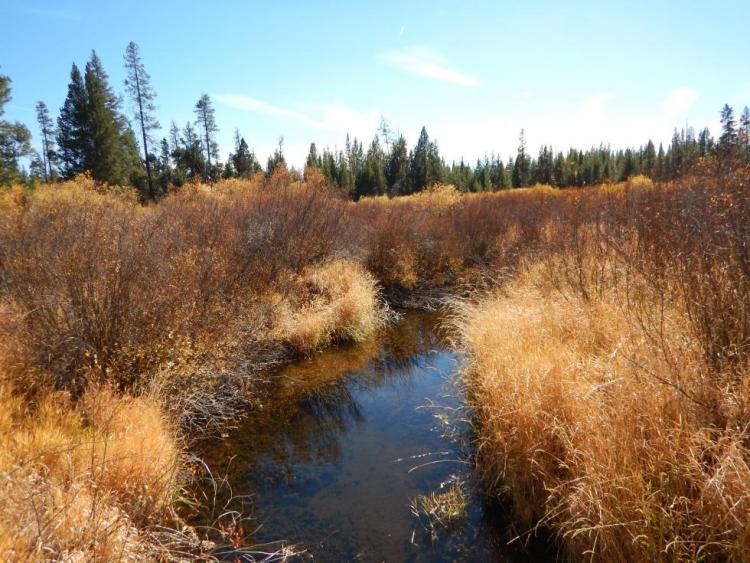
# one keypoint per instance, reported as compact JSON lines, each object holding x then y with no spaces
{"x":116,"y":318}
{"x":84,"y":483}
{"x":609,"y":378}
{"x":106,"y":290}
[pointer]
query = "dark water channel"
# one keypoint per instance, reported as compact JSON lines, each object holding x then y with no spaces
{"x":347,"y":439}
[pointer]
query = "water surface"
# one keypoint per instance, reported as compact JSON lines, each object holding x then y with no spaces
{"x":347,"y":439}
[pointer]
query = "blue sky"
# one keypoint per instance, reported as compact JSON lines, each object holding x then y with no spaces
{"x":474,"y":72}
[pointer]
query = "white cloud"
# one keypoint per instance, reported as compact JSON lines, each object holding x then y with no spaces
{"x":425,"y":62}
{"x":402,"y":31}
{"x":340,"y":119}
{"x":247,"y":103}
{"x":602,"y":117}
{"x":679,"y":101}
{"x":594,"y":106}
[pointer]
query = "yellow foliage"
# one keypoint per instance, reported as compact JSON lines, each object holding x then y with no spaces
{"x":588,"y":430}
{"x":337,"y":302}
{"x":83,"y":483}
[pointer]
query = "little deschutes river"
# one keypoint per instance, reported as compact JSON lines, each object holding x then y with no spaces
{"x":347,"y":438}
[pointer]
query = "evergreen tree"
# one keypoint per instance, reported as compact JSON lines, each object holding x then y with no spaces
{"x":73,"y":138}
{"x":243,"y":160}
{"x":92,"y":133}
{"x":419,"y":169}
{"x":276,"y":159}
{"x":522,"y":165}
{"x":705,"y":142}
{"x":47,"y":129}
{"x":629,"y":167}
{"x":113,"y":156}
{"x":744,"y":131}
{"x":543,"y":169}
{"x":561,"y":176}
{"x":328,"y":166}
{"x":677,"y":155}
{"x":138,"y":85}
{"x":649,"y":158}
{"x":498,"y":174}
{"x":385,"y":132}
{"x":15,"y":140}
{"x":37,"y":168}
{"x":163,"y":169}
{"x":659,"y":169}
{"x":435,"y":164}
{"x":371,"y":178}
{"x":728,"y":139}
{"x":206,"y":119}
{"x":174,"y":136}
{"x":190,"y":162}
{"x":397,"y":168}
{"x":345,"y":176}
{"x":355,"y":157}
{"x":313,"y":159}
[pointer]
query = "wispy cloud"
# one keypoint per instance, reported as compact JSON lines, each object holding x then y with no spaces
{"x":595,"y":105}
{"x":341,"y":119}
{"x":54,"y":14}
{"x":679,"y":101}
{"x":425,"y":62}
{"x":247,"y":103}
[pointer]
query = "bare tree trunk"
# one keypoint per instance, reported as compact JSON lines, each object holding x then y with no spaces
{"x":145,"y":139}
{"x":208,"y":146}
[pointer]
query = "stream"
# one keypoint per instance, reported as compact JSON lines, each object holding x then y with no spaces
{"x":348,"y":437}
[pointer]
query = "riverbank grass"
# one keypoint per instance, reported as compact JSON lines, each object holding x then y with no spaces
{"x":589,"y":428}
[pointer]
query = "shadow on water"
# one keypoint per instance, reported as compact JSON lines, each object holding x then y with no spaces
{"x":342,"y":444}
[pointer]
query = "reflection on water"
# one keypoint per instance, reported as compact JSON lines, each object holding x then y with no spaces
{"x":327,"y":458}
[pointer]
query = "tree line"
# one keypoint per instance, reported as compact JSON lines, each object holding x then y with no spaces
{"x":92,"y":134}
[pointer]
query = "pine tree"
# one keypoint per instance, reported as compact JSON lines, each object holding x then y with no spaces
{"x":138,"y":85}
{"x":649,"y":158}
{"x":73,"y":138}
{"x":744,"y":132}
{"x":276,"y":159}
{"x":243,"y":160}
{"x":92,"y":133}
{"x":37,"y":168}
{"x":188,"y":155}
{"x":313,"y":159}
{"x":113,"y":156}
{"x":435,"y":164}
{"x":174,"y":137}
{"x":522,"y":165}
{"x":419,"y":169}
{"x":371,"y":178}
{"x":705,"y":142}
{"x":206,"y":119}
{"x":397,"y":168}
{"x":163,"y":169}
{"x":15,"y":140}
{"x":47,"y":129}
{"x":560,"y":171}
{"x":659,"y":168}
{"x":629,"y":167}
{"x":728,"y":139}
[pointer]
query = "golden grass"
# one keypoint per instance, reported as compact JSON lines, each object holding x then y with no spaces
{"x":114,"y":317}
{"x":335,"y":302}
{"x":608,"y":379}
{"x":589,"y":429}
{"x":84,"y":484}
